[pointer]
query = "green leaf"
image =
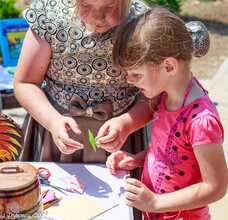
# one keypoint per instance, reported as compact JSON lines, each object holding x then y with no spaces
{"x":92,"y":140}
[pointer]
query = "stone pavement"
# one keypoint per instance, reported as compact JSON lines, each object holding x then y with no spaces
{"x":218,"y":91}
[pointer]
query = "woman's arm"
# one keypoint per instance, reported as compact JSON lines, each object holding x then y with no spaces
{"x":31,"y":69}
{"x":212,"y":188}
{"x":32,"y":66}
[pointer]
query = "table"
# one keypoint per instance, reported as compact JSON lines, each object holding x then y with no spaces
{"x":107,"y":189}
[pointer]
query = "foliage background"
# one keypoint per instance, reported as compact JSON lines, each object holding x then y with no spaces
{"x":174,"y":5}
{"x":8,"y":9}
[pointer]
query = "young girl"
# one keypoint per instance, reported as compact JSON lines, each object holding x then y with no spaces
{"x":184,"y":167}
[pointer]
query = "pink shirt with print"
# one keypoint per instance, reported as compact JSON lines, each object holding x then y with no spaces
{"x":170,"y":163}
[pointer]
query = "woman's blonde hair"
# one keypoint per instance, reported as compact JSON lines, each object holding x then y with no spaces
{"x":123,"y":5}
{"x":152,"y":37}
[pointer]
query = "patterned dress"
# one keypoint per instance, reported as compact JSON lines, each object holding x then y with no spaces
{"x":80,"y":82}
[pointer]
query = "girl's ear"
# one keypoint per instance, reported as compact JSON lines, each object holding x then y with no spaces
{"x":170,"y":65}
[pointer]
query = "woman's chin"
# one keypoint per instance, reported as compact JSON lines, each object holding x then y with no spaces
{"x":97,"y":28}
{"x":101,"y":30}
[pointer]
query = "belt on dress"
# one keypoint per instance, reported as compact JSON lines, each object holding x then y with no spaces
{"x":100,"y":111}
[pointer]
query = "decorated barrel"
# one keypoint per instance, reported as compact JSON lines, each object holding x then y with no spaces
{"x":11,"y":139}
{"x":20,"y":191}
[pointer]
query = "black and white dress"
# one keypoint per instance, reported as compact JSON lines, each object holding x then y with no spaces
{"x":81,"y":81}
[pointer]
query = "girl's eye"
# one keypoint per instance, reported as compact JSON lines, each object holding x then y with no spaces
{"x":134,"y":77}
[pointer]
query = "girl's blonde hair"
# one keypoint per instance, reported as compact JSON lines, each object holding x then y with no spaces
{"x":152,"y":37}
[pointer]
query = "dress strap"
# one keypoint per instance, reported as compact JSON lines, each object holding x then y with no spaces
{"x":187,"y":91}
{"x":199,"y":84}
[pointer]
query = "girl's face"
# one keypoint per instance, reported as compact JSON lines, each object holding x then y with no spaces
{"x":151,"y":80}
{"x":100,"y":15}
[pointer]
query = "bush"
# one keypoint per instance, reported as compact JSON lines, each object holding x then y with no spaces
{"x":8,"y":10}
{"x":173,"y":5}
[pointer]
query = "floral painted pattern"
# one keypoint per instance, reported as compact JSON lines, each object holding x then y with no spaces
{"x":11,"y":139}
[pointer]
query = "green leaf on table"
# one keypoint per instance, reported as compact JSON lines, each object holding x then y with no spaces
{"x":92,"y":140}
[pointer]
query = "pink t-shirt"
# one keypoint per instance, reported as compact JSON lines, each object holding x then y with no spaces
{"x":170,"y":163}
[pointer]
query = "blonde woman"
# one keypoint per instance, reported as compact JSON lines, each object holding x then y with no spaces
{"x":68,"y":47}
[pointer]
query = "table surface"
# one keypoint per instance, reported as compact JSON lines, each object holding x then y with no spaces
{"x":107,"y":189}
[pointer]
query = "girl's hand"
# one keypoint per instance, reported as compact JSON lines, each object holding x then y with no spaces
{"x":121,"y":160}
{"x":60,"y":136}
{"x":112,"y":134}
{"x":139,"y":196}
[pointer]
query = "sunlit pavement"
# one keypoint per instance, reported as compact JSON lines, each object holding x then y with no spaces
{"x":218,"y":91}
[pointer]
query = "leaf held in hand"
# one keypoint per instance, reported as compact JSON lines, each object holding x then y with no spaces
{"x":92,"y":140}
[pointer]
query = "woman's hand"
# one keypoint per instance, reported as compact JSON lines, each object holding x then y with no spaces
{"x":112,"y":134}
{"x":122,"y":160}
{"x":139,"y":196}
{"x":60,"y":135}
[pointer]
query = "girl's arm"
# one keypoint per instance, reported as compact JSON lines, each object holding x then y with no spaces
{"x":212,"y":188}
{"x":139,"y":115}
{"x":31,"y":69}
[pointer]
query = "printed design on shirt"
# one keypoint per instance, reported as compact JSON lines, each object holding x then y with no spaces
{"x":170,"y":157}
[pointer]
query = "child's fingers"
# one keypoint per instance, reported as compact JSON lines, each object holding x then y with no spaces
{"x":127,"y":163}
{"x":109,"y":163}
{"x":131,"y":188}
{"x":128,"y":202}
{"x":130,"y":196}
{"x":110,"y":137}
{"x":118,"y":156}
{"x":102,"y":131}
{"x":111,"y":168}
{"x":107,"y":137}
{"x":113,"y":172}
{"x":134,"y":182}
{"x":113,"y":160}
